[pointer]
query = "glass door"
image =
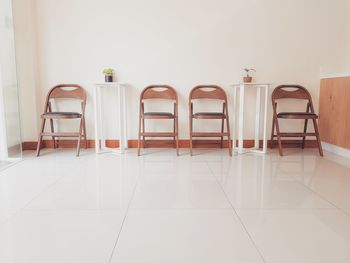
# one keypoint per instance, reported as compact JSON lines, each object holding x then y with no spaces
{"x":10,"y":132}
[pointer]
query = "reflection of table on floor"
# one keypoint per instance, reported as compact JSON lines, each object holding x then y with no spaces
{"x":100,"y":141}
{"x":242,"y":87}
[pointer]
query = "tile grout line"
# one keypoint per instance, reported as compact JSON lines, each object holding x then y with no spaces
{"x":49,"y":186}
{"x":11,"y":165}
{"x":239,"y":218}
{"x":126,"y":213}
{"x":334,"y":206}
{"x":325,"y":199}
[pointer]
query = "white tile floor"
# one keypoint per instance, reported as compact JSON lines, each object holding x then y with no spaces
{"x":160,"y":208}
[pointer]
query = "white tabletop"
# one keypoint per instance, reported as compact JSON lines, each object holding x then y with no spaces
{"x":109,"y":83}
{"x":252,"y":84}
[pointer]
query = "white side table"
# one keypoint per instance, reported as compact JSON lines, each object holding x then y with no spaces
{"x":259,"y":88}
{"x":100,"y":141}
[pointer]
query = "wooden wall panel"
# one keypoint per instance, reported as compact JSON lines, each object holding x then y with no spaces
{"x":334,"y":122}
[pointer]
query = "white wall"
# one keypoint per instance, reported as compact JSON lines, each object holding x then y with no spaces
{"x":25,"y":34}
{"x":348,"y":35}
{"x":182,"y":43}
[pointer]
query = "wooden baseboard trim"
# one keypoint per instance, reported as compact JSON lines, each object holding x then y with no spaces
{"x":164,"y":144}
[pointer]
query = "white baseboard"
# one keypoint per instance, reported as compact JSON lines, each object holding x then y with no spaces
{"x":336,"y":150}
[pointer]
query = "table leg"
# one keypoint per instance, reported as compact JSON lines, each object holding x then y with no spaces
{"x":234,"y":113}
{"x":102,"y":140}
{"x":97,"y":122}
{"x":257,"y":118}
{"x":241,"y":116}
{"x":125,"y":118}
{"x":121,"y":120}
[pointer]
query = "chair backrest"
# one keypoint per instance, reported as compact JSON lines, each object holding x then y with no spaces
{"x":164,"y":92}
{"x":291,"y":92}
{"x":208,"y":92}
{"x":67,"y":91}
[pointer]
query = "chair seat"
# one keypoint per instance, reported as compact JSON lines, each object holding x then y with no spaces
{"x":158,"y":115}
{"x":61,"y":115}
{"x":297,"y":115}
{"x":209,"y":115}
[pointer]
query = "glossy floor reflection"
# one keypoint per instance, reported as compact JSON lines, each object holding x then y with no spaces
{"x":161,"y":208}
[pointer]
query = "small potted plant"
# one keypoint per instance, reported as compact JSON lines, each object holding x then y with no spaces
{"x":248,"y":78}
{"x":108,"y":74}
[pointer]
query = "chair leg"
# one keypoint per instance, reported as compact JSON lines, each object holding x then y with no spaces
{"x":279,"y":138}
{"x":139,"y":139}
{"x":139,"y":146}
{"x":53,"y":130}
{"x":272,"y":132}
{"x":85,"y":136}
{"x":174,"y":130}
{"x":229,"y":136}
{"x":143,"y":131}
{"x":304,"y":137}
{"x":40,"y":138}
{"x":318,"y":137}
{"x":79,"y":137}
{"x":222,"y":130}
{"x":191,"y":132}
{"x":177,"y":136}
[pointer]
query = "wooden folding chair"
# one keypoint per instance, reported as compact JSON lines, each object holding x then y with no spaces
{"x":299,"y":93}
{"x":63,"y":91}
{"x":211,"y":92}
{"x":163,"y":92}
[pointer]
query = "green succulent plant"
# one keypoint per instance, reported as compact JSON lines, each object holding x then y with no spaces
{"x":248,"y":70}
{"x":108,"y":71}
